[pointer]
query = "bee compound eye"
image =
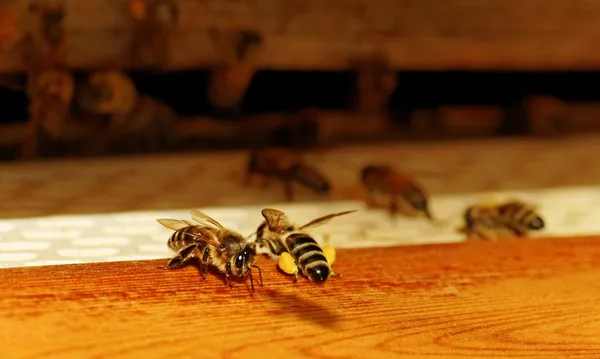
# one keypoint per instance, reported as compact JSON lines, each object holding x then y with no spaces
{"x":239,"y":261}
{"x":421,"y":206}
{"x":537,"y":223}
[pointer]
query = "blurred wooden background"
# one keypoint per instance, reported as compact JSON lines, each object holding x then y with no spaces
{"x":61,"y":54}
{"x":298,"y":34}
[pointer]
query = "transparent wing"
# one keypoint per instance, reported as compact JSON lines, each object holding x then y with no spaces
{"x":274,"y":218}
{"x":322,"y":220}
{"x":213,"y":239}
{"x":206,"y":234}
{"x":204,"y":219}
{"x":174,"y":224}
{"x":518,"y":201}
{"x":247,"y":238}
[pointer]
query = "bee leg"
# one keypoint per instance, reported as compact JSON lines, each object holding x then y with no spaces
{"x":393,"y":208}
{"x":474,"y":232}
{"x":164,"y":267}
{"x":470,"y":234}
{"x":370,"y":199}
{"x":228,"y":274}
{"x":519,"y":231}
{"x":334,"y":275}
{"x":295,"y":277}
{"x":487,"y":233}
{"x":183,"y":257}
{"x":205,"y":258}
{"x":175,"y":263}
{"x":259,"y":274}
{"x":473,"y":236}
{"x":251,"y":280}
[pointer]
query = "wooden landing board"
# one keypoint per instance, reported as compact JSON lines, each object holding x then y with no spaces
{"x":516,"y":298}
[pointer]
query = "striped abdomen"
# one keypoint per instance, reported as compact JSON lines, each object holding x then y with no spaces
{"x":482,"y":216}
{"x":308,"y":256}
{"x":184,"y":237}
{"x":520,"y":216}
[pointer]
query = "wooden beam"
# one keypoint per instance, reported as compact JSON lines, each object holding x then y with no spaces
{"x":253,"y":130}
{"x":301,"y":34}
{"x":514,"y":298}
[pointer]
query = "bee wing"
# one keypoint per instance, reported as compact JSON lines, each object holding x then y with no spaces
{"x":174,"y":224}
{"x":211,"y":237}
{"x":322,"y":220}
{"x":274,"y":218}
{"x":488,"y":202}
{"x":250,"y":236}
{"x":205,"y":233}
{"x":521,"y":202}
{"x":204,"y":219}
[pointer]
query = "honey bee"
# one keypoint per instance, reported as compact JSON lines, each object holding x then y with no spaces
{"x":493,"y":221}
{"x":206,"y":239}
{"x":398,"y":186}
{"x":131,"y":119}
{"x":108,"y":93}
{"x":296,"y":249}
{"x":286,"y":167}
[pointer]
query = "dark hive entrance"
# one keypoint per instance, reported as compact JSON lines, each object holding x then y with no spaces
{"x":289,"y":94}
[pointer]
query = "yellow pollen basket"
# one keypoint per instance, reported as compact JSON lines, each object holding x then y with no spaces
{"x":287,"y":264}
{"x":329,"y":253}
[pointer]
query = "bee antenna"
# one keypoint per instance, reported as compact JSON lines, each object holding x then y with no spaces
{"x":250,"y":236}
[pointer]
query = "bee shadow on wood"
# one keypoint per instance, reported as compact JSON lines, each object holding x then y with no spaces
{"x":305,"y":310}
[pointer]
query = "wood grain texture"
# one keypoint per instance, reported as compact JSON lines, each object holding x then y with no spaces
{"x":427,"y":34}
{"x":510,"y":299}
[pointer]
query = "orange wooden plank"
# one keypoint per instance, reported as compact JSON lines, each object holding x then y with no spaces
{"x":517,"y":298}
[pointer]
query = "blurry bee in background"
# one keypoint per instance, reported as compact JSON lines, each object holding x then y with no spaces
{"x":296,"y":249}
{"x":286,"y":167}
{"x":205,"y":239}
{"x":107,"y":93}
{"x":150,"y":124}
{"x":131,"y":119}
{"x":493,"y":221}
{"x":50,"y":95}
{"x":398,"y":187}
